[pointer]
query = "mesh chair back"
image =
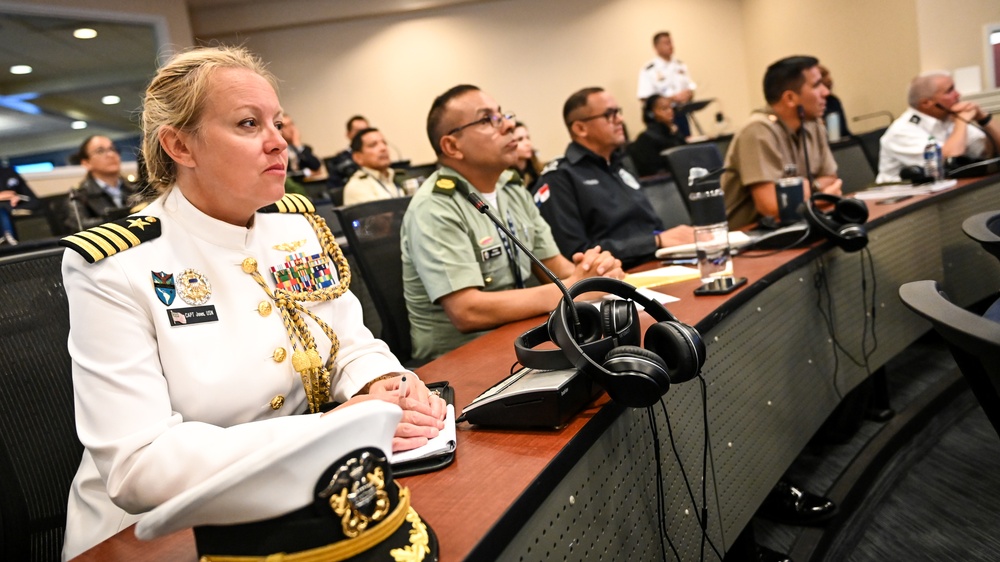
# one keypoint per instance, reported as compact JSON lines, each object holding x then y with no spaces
{"x":682,"y":158}
{"x":853,"y":167}
{"x":870,"y":144}
{"x":985,"y":229}
{"x":40,"y":451}
{"x":974,"y":341}
{"x":666,"y":200}
{"x":372,"y":232}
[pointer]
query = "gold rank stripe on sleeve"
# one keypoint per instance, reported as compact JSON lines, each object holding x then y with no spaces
{"x":291,"y":203}
{"x":105,"y":240}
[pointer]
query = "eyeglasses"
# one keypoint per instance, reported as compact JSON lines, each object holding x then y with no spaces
{"x":610,"y":114}
{"x":495,"y":119}
{"x":104,"y":150}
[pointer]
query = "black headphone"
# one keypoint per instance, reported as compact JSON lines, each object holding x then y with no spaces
{"x":634,"y":376}
{"x":844,"y":224}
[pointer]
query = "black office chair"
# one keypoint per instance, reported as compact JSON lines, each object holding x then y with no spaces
{"x":985,"y":229}
{"x":666,"y":200}
{"x":853,"y":167}
{"x":870,"y":144}
{"x":372,"y":232}
{"x":682,"y":158}
{"x":974,"y":341}
{"x":39,"y":449}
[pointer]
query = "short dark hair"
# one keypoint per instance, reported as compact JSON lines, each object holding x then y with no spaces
{"x":81,"y":154}
{"x":353,"y":119}
{"x":358,"y":141}
{"x":436,"y":115}
{"x":656,"y":38}
{"x":576,"y":101}
{"x":786,"y":74}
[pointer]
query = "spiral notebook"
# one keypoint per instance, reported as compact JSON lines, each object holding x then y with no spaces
{"x":439,"y":452}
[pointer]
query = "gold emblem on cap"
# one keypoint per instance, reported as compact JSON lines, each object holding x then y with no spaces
{"x":445,"y":183}
{"x":249,"y":265}
{"x":279,"y":355}
{"x":264,"y":308}
{"x":277,"y":402}
{"x":193,"y":287}
{"x":290,"y":247}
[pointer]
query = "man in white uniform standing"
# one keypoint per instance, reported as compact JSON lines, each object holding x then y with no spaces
{"x":667,"y":76}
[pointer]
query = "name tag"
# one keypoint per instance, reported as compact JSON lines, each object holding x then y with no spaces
{"x":490,"y":253}
{"x":193,"y":315}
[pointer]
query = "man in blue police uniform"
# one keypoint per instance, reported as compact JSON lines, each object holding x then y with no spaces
{"x":589,"y":199}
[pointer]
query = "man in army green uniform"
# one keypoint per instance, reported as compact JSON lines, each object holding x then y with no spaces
{"x":461,"y":275}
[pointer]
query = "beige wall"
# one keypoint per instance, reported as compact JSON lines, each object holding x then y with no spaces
{"x":952,"y":34}
{"x":871,"y":48}
{"x":390,"y":68}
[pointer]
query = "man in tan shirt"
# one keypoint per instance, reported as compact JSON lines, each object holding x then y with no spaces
{"x":773,"y":138}
{"x":374,"y":179}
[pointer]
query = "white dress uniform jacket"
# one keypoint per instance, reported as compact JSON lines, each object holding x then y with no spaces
{"x":667,"y":78}
{"x":904,"y":141}
{"x":161,"y":405}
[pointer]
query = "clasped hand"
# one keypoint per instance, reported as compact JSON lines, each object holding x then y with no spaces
{"x":423,"y":411}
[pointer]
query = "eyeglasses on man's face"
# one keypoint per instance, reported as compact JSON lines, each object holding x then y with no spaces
{"x":610,"y":114}
{"x":104,"y":150}
{"x":495,"y":119}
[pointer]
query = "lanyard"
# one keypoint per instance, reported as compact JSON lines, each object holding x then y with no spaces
{"x":512,"y":253}
{"x":391,"y":194}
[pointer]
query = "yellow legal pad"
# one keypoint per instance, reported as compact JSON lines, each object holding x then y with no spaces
{"x":662,"y":276}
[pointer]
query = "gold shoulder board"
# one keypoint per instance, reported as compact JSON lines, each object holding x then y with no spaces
{"x":291,"y":203}
{"x":445,"y":185}
{"x":99,"y":242}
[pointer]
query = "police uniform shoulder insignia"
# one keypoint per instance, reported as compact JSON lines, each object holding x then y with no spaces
{"x":650,"y":66}
{"x":291,"y":203}
{"x":99,"y":242}
{"x":551,"y":166}
{"x":445,"y":185}
{"x":915,"y":119}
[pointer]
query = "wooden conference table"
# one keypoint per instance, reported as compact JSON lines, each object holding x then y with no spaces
{"x":772,"y":376}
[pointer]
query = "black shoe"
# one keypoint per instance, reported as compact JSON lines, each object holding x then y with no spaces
{"x":880,"y":415}
{"x":793,"y":506}
{"x":765,"y":554}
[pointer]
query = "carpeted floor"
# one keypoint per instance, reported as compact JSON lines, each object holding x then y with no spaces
{"x":938,"y":498}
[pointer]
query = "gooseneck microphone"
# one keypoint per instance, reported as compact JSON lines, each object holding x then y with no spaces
{"x":955,"y":114}
{"x":484,"y":208}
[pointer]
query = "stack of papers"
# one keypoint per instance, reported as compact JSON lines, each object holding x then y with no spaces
{"x":898,"y":190}
{"x":443,"y":444}
{"x":737,"y":239}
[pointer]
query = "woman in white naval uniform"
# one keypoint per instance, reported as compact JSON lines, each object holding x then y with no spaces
{"x":201,"y":326}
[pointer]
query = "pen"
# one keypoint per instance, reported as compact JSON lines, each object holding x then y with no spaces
{"x":402,"y":390}
{"x":686,"y":261}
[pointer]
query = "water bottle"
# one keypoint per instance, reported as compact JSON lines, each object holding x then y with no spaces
{"x":711,"y":231}
{"x":833,"y":127}
{"x":789,"y":190}
{"x":932,"y":160}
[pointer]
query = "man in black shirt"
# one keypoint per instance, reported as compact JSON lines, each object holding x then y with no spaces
{"x":589,"y":199}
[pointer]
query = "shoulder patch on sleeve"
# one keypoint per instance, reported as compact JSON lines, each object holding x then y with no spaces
{"x":99,"y":242}
{"x":445,"y":185}
{"x":291,"y":203}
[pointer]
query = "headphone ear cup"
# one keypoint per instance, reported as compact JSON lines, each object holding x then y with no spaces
{"x":636,"y":377}
{"x":591,"y":323}
{"x":619,"y":321}
{"x":679,"y":346}
{"x":850,"y":211}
